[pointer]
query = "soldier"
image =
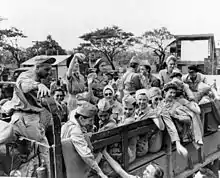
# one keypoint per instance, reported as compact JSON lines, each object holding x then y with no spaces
{"x":77,"y":148}
{"x":147,"y":79}
{"x":28,"y":112}
{"x":131,"y":80}
{"x":105,"y":115}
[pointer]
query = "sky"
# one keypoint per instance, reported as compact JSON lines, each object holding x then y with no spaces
{"x":66,"y":20}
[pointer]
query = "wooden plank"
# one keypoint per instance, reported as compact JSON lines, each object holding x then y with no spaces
{"x":118,"y":130}
{"x":105,"y":142}
{"x":125,"y":149}
{"x":209,"y":159}
{"x":149,"y":157}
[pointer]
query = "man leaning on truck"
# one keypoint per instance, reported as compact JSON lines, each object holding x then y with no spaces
{"x":76,"y":145}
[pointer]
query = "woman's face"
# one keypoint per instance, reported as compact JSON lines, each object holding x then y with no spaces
{"x":170,"y":94}
{"x":128,"y":110}
{"x":108,"y":94}
{"x":171,"y":65}
{"x":156,"y":99}
{"x":149,"y":172}
{"x":58,"y":96}
{"x":75,"y":66}
{"x":144,"y":70}
{"x":102,"y":67}
{"x":142,"y":101}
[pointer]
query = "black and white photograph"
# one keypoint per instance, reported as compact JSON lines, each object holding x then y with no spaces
{"x":110,"y":88}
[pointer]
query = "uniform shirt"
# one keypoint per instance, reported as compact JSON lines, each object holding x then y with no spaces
{"x":98,"y":85}
{"x":193,"y":85}
{"x":80,"y":140}
{"x":25,"y":94}
{"x":131,"y":81}
{"x":147,"y":81}
{"x":75,"y":84}
{"x":164,"y":77}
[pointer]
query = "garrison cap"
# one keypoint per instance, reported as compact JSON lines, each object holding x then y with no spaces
{"x":44,"y":60}
{"x":86,"y":109}
{"x":103,"y":105}
{"x":128,"y":100}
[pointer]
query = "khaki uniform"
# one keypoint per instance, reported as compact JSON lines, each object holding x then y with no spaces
{"x":131,"y":82}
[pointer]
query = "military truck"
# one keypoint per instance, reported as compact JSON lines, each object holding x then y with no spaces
{"x":174,"y":165}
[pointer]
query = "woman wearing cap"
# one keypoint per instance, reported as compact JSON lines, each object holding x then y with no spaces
{"x":75,"y":81}
{"x":99,"y":79}
{"x":164,"y":75}
{"x":106,"y":121}
{"x":116,"y":107}
{"x":147,"y":79}
{"x":171,"y":108}
{"x":142,"y":113}
{"x":128,"y":117}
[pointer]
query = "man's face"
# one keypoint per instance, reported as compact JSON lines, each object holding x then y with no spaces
{"x":44,"y":70}
{"x":144,"y":70}
{"x":142,"y":101}
{"x":87,"y":122}
{"x":58,"y":96}
{"x":149,"y":172}
{"x":128,"y":110}
{"x":104,"y":116}
{"x":192,"y":74}
{"x":170,"y":94}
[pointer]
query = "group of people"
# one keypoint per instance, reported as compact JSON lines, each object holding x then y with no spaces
{"x":101,"y":102}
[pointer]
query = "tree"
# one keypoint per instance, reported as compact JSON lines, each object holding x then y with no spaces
{"x":9,"y":42}
{"x":158,"y":40}
{"x":110,"y":41}
{"x":47,"y":47}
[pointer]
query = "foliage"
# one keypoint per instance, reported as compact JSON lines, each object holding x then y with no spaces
{"x":46,"y":47}
{"x":110,"y":41}
{"x":9,"y":42}
{"x":158,"y":40}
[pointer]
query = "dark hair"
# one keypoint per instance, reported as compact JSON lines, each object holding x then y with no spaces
{"x":77,"y":115}
{"x":59,"y":90}
{"x":170,"y":86}
{"x":133,"y":65}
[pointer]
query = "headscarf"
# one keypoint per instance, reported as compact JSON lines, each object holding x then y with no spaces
{"x":108,"y":87}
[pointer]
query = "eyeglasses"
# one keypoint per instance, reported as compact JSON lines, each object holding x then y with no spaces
{"x":158,"y":99}
{"x":108,"y":94}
